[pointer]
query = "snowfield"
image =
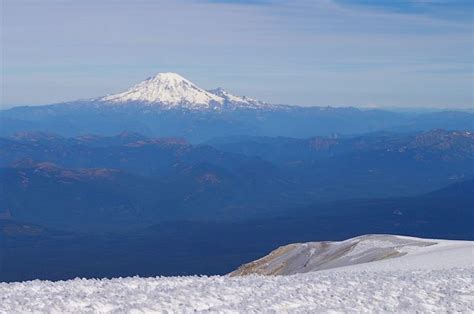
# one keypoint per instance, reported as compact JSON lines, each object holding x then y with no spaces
{"x":428,"y":278}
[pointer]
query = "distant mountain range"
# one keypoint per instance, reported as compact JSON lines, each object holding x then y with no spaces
{"x":170,"y":105}
{"x":130,"y":179}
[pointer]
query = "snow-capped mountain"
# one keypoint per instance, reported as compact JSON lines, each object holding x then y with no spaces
{"x":171,"y":90}
{"x":168,"y":89}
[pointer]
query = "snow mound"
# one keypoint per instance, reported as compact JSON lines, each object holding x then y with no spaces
{"x":427,"y":278}
{"x":389,"y":250}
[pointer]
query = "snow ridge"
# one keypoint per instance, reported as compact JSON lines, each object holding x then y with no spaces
{"x":369,"y":251}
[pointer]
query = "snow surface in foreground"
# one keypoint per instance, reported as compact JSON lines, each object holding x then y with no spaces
{"x":435,"y":278}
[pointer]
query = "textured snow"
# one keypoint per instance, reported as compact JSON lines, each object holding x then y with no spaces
{"x":435,"y":278}
{"x":168,"y":89}
{"x":388,"y":291}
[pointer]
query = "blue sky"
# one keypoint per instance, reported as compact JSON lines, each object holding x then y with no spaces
{"x":407,"y":53}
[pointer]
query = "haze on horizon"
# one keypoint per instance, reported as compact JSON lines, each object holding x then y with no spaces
{"x":413,"y":53}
